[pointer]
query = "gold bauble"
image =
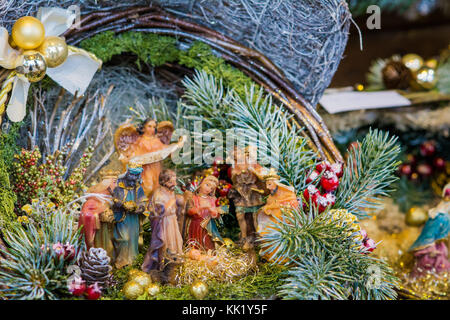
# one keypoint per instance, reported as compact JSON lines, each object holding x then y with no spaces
{"x":132,"y":290}
{"x":55,"y":51}
{"x":416,"y":217}
{"x":132,"y":273}
{"x":431,"y":63}
{"x":425,"y":78}
{"x":143,"y":279}
{"x":153,"y":289}
{"x":28,"y":33}
{"x":413,"y":61}
{"x":199,"y":289}
{"x":228,"y":242}
{"x":11,"y":42}
{"x":32,"y":65}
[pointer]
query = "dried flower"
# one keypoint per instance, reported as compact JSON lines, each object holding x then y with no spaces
{"x":27,"y":208}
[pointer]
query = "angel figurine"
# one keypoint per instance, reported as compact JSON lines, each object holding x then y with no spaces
{"x":146,"y":145}
{"x":431,"y":247}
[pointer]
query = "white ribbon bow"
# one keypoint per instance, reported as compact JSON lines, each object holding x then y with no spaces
{"x":74,"y":74}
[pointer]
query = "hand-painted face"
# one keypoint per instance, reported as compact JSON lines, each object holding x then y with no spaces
{"x":271,"y":185}
{"x":133,"y":178}
{"x":207,"y":187}
{"x":172,"y":182}
{"x":150,"y":128}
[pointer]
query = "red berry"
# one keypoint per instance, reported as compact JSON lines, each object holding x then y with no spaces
{"x":312,"y":177}
{"x":370,"y":244}
{"x":424,"y":169}
{"x":439,"y":163}
{"x":331,"y":198}
{"x":337,"y":169}
{"x":329,"y":181}
{"x":93,"y":292}
{"x":405,"y":169}
{"x":324,"y":165}
{"x":322,"y":203}
{"x":77,"y":289}
{"x":310,"y":191}
{"x":223,"y":192}
{"x":428,"y":148}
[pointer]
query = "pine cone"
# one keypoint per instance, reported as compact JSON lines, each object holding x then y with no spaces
{"x":95,"y":267}
{"x":396,"y":75}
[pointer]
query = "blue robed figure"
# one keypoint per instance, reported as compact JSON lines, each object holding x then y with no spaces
{"x":129,"y":203}
{"x":430,"y":249}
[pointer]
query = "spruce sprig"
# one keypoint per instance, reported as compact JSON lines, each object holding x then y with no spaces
{"x":31,"y":269}
{"x":255,"y":118}
{"x":326,"y":259}
{"x":369,"y":173}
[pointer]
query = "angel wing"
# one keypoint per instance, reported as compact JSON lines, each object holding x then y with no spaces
{"x":164,"y":131}
{"x":124,"y":137}
{"x":159,"y":155}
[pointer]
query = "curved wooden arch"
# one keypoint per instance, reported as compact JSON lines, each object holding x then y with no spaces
{"x":259,"y":68}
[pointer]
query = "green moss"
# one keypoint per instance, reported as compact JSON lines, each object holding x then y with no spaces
{"x":158,"y":50}
{"x":149,"y":48}
{"x":261,"y":285}
{"x":8,"y":148}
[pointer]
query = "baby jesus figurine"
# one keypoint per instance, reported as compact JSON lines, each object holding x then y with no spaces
{"x":202,"y":212}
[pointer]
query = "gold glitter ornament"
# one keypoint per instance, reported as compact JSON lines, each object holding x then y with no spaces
{"x":431,"y":63}
{"x":153,"y":289}
{"x":54,"y":50}
{"x":199,"y":289}
{"x":132,"y":290}
{"x":143,"y":278}
{"x":413,"y":61}
{"x":132,"y":273}
{"x":416,"y":217}
{"x":228,"y":243}
{"x":32,"y":65}
{"x":28,"y":33}
{"x":425,"y":79}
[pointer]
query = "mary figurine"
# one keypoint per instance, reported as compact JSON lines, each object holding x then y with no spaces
{"x":431,"y":247}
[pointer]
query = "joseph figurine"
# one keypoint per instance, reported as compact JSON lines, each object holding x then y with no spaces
{"x":248,"y":193}
{"x":164,"y":206}
{"x":129,"y":203}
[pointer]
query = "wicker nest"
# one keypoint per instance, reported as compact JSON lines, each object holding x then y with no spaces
{"x":304,"y":38}
{"x":153,"y":19}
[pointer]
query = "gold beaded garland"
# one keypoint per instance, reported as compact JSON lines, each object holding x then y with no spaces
{"x":28,"y":33}
{"x":55,"y":51}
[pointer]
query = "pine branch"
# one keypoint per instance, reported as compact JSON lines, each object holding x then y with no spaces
{"x":315,"y":278}
{"x":31,"y":268}
{"x":369,"y":173}
{"x":443,"y":74}
{"x":255,"y":118}
{"x":327,"y":260}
